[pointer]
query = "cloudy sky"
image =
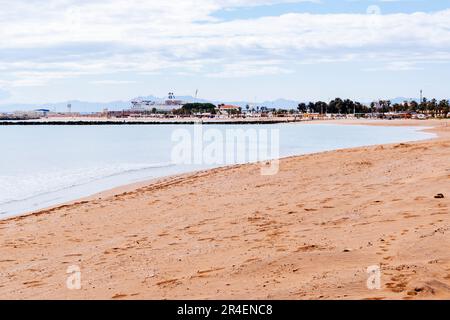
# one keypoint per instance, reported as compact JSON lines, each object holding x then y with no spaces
{"x":104,"y":50}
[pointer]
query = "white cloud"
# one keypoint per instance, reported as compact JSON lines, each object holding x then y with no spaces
{"x":54,"y":39}
{"x":112,"y":82}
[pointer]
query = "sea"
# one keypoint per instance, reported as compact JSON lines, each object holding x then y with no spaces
{"x":45,"y":165}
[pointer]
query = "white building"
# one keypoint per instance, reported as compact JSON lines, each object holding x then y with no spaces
{"x":170,"y":104}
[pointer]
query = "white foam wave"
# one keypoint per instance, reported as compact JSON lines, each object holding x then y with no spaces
{"x":26,"y":186}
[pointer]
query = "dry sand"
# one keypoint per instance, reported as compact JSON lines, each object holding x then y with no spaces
{"x":308,"y":232}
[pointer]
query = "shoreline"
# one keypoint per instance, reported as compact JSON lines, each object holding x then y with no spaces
{"x":429,"y":127}
{"x":148,"y":121}
{"x":225,"y":231}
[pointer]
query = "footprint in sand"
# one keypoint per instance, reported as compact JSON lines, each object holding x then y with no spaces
{"x":409,"y":215}
{"x":309,"y":248}
{"x":35,"y":283}
{"x":170,"y":282}
{"x":73,"y":255}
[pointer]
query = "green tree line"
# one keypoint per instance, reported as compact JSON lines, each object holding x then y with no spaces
{"x":347,"y":106}
{"x":193,"y":108}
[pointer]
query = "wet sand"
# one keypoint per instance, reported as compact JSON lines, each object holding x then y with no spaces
{"x":309,"y":232}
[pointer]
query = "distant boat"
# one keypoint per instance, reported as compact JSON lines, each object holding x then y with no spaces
{"x":170,"y":104}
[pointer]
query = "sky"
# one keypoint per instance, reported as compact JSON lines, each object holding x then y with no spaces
{"x":253,"y":50}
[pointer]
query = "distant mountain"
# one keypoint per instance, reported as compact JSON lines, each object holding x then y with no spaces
{"x":279,"y":104}
{"x":403,"y":99}
{"x":86,"y":106}
{"x":77,"y":106}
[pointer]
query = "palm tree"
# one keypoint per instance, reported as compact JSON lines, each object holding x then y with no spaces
{"x":443,"y":108}
{"x":432,"y":106}
{"x":301,"y":107}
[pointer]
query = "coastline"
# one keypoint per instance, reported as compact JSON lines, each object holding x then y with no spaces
{"x":280,"y":244}
{"x":78,"y":121}
{"x":429,"y":126}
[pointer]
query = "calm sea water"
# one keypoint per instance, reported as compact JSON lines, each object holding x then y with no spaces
{"x":42,"y":166}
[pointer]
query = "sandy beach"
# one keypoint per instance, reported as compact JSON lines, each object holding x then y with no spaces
{"x":308,"y":232}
